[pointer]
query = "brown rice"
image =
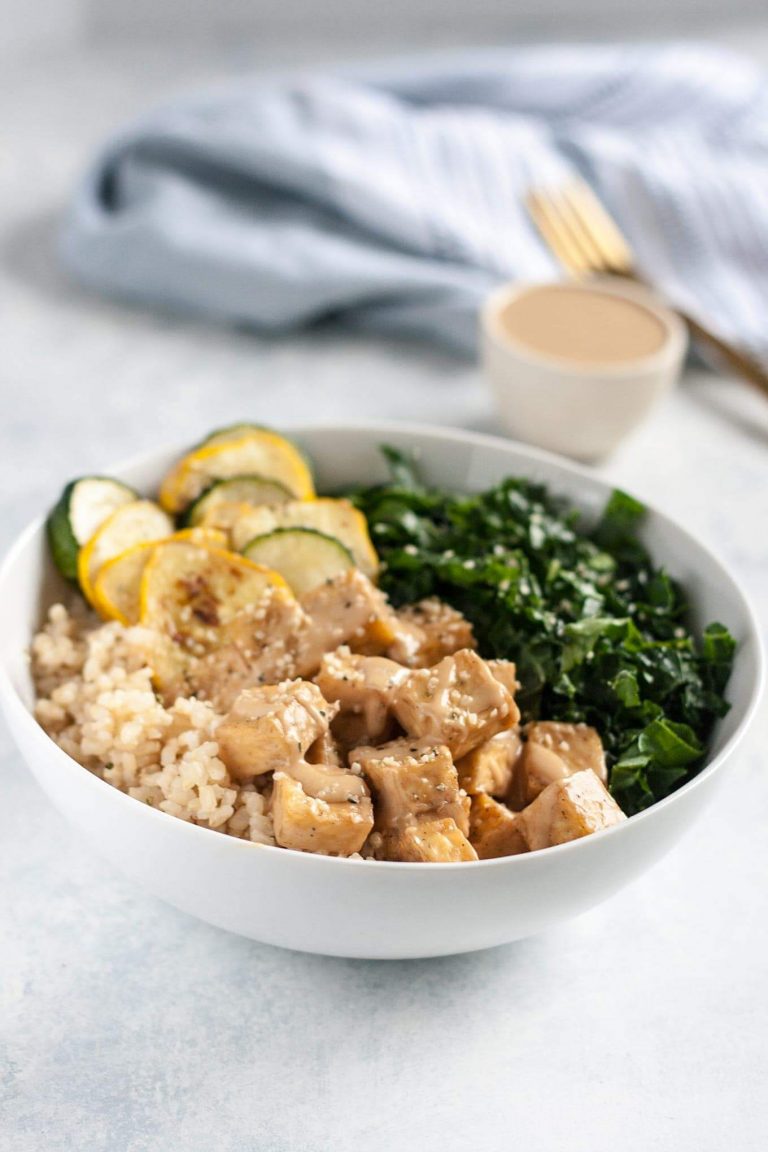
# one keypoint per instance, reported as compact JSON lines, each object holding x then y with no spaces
{"x":95,"y":699}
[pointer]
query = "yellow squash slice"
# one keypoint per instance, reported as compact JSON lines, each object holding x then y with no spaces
{"x":134,"y":523}
{"x":117,"y":588}
{"x":336,"y":518}
{"x":217,"y":622}
{"x":191,"y":591}
{"x":212,"y":537}
{"x":257,"y":452}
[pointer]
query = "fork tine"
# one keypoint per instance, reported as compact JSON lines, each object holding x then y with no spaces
{"x":558,"y":238}
{"x":602,"y":228}
{"x":573,"y":221}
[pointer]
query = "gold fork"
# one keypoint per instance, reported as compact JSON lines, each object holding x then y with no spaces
{"x":587,"y":241}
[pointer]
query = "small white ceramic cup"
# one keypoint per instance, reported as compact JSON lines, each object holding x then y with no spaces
{"x":577,"y":409}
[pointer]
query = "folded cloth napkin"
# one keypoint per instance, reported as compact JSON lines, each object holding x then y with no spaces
{"x":393,"y":196}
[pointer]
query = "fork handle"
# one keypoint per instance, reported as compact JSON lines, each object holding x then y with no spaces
{"x":742,"y":364}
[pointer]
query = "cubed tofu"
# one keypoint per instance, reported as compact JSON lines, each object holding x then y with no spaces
{"x":271,"y":727}
{"x":309,"y":824}
{"x":347,"y":609}
{"x":552,"y":751}
{"x":491,"y":766}
{"x":537,"y":767}
{"x":407,"y":647}
{"x":506,"y":673}
{"x":411,"y":779}
{"x":568,"y":809}
{"x":494,"y":830}
{"x":428,"y":631}
{"x":326,"y":782}
{"x":427,"y":842}
{"x":459,"y":703}
{"x":363,"y":685}
{"x":577,"y":744}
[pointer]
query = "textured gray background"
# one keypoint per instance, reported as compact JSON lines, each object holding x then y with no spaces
{"x":362,"y":25}
{"x":126,"y":1026}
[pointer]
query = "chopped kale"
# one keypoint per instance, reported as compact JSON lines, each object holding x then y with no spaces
{"x":598,"y":633}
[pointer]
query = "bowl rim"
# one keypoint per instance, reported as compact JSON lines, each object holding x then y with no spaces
{"x":13,"y":704}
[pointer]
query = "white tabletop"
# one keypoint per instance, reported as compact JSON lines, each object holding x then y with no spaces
{"x":124,"y":1024}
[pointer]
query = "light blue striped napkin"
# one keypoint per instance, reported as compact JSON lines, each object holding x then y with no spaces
{"x":392,"y":196}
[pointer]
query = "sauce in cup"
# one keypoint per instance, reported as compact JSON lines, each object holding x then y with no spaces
{"x":573,"y":367}
{"x":594,"y":327}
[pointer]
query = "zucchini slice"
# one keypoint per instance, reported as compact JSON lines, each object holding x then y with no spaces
{"x":304,"y":556}
{"x":336,"y":518}
{"x":117,"y":587}
{"x":133,"y":524}
{"x":258,"y":452}
{"x":225,"y":500}
{"x":83,"y":507}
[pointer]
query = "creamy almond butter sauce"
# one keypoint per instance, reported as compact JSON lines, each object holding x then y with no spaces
{"x":585,"y":325}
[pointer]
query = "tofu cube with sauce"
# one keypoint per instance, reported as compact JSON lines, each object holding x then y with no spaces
{"x":428,"y":631}
{"x":427,"y":842}
{"x":506,"y":673}
{"x":328,"y":782}
{"x":310,"y":824}
{"x":568,"y":809}
{"x":491,"y":766}
{"x":410,"y":780}
{"x":493,"y":830}
{"x":577,"y":744}
{"x":273,"y":726}
{"x":551,"y":752}
{"x":347,"y":609}
{"x":459,"y":703}
{"x":362,"y":685}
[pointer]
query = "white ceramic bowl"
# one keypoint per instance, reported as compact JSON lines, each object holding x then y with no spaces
{"x":579,"y":409}
{"x":365,"y":908}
